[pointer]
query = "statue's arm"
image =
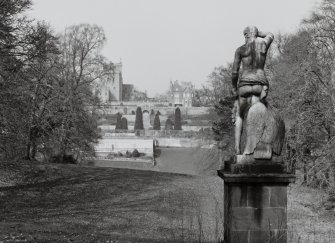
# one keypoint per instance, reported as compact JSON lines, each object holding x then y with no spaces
{"x":236,"y":68}
{"x":268,"y":37}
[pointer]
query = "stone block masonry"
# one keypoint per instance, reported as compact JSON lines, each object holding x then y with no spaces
{"x":255,"y":207}
{"x":107,"y":145}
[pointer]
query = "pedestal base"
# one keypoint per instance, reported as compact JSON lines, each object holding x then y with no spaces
{"x":255,"y":204}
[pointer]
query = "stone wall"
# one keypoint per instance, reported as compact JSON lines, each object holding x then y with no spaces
{"x":183,"y":142}
{"x":126,"y":109}
{"x":108,"y":145}
{"x":111,"y":128}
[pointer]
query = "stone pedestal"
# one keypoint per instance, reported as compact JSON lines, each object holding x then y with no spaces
{"x":255,"y":202}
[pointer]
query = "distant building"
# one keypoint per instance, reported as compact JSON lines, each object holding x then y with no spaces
{"x":127,"y":91}
{"x":181,"y":94}
{"x":110,"y":88}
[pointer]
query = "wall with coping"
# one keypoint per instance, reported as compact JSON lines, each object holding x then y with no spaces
{"x":128,"y":109}
{"x":108,"y":145}
{"x":111,"y":128}
{"x":183,"y":142}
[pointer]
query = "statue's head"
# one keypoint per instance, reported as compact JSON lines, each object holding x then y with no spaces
{"x":250,"y":33}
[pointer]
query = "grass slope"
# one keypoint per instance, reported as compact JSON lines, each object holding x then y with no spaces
{"x":69,"y":203}
{"x":104,"y":204}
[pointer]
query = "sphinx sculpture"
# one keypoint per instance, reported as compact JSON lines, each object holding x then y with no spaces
{"x":264,"y":129}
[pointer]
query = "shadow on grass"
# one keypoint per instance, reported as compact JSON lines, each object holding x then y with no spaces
{"x":104,"y":204}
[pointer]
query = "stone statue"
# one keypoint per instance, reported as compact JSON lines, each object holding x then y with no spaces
{"x":264,"y":129}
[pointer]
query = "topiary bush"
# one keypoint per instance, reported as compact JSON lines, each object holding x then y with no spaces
{"x":177,"y":119}
{"x":139,"y":119}
{"x":118,"y":121}
{"x":152,"y":117}
{"x":157,"y":122}
{"x":124,"y":123}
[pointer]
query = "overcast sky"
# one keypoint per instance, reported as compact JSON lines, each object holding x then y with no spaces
{"x":163,"y":40}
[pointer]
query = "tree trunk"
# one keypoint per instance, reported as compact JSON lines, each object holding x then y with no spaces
{"x":305,"y":171}
{"x":28,"y":147}
{"x":332,"y":84}
{"x":33,"y":149}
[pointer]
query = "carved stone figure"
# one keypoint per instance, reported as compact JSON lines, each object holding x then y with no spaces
{"x":264,"y":129}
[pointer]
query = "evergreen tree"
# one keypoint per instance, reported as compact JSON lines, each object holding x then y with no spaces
{"x":177,"y":119}
{"x":118,"y":121}
{"x":124,"y":123}
{"x":152,"y":117}
{"x":157,"y":123}
{"x":139,"y":119}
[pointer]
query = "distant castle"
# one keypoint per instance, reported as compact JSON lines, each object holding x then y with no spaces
{"x":181,"y":94}
{"x":110,"y":88}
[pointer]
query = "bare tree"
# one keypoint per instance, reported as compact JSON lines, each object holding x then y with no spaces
{"x":81,"y":66}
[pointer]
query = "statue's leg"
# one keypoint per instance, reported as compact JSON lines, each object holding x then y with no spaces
{"x":236,"y":121}
{"x":238,"y":132}
{"x":253,"y":125}
{"x":248,"y":96}
{"x":240,"y":107}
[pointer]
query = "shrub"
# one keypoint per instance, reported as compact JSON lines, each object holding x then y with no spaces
{"x":118,"y":121}
{"x":177,"y":119}
{"x":136,"y":153}
{"x":139,"y":119}
{"x":124,"y":123}
{"x":67,"y":159}
{"x":129,"y":154}
{"x":157,"y":122}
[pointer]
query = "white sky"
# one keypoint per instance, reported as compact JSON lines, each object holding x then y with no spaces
{"x":163,"y":40}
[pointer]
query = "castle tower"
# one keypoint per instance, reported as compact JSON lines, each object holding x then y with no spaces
{"x":110,"y":88}
{"x":115,"y":85}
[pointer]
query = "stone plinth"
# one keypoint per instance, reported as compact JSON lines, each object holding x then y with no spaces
{"x":255,"y":202}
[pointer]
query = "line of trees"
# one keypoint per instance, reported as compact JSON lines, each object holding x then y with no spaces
{"x":169,"y":125}
{"x":46,"y":99}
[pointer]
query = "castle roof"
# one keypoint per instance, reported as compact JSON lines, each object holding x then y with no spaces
{"x":184,"y":86}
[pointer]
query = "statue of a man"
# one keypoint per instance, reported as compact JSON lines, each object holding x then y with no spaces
{"x":252,"y":85}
